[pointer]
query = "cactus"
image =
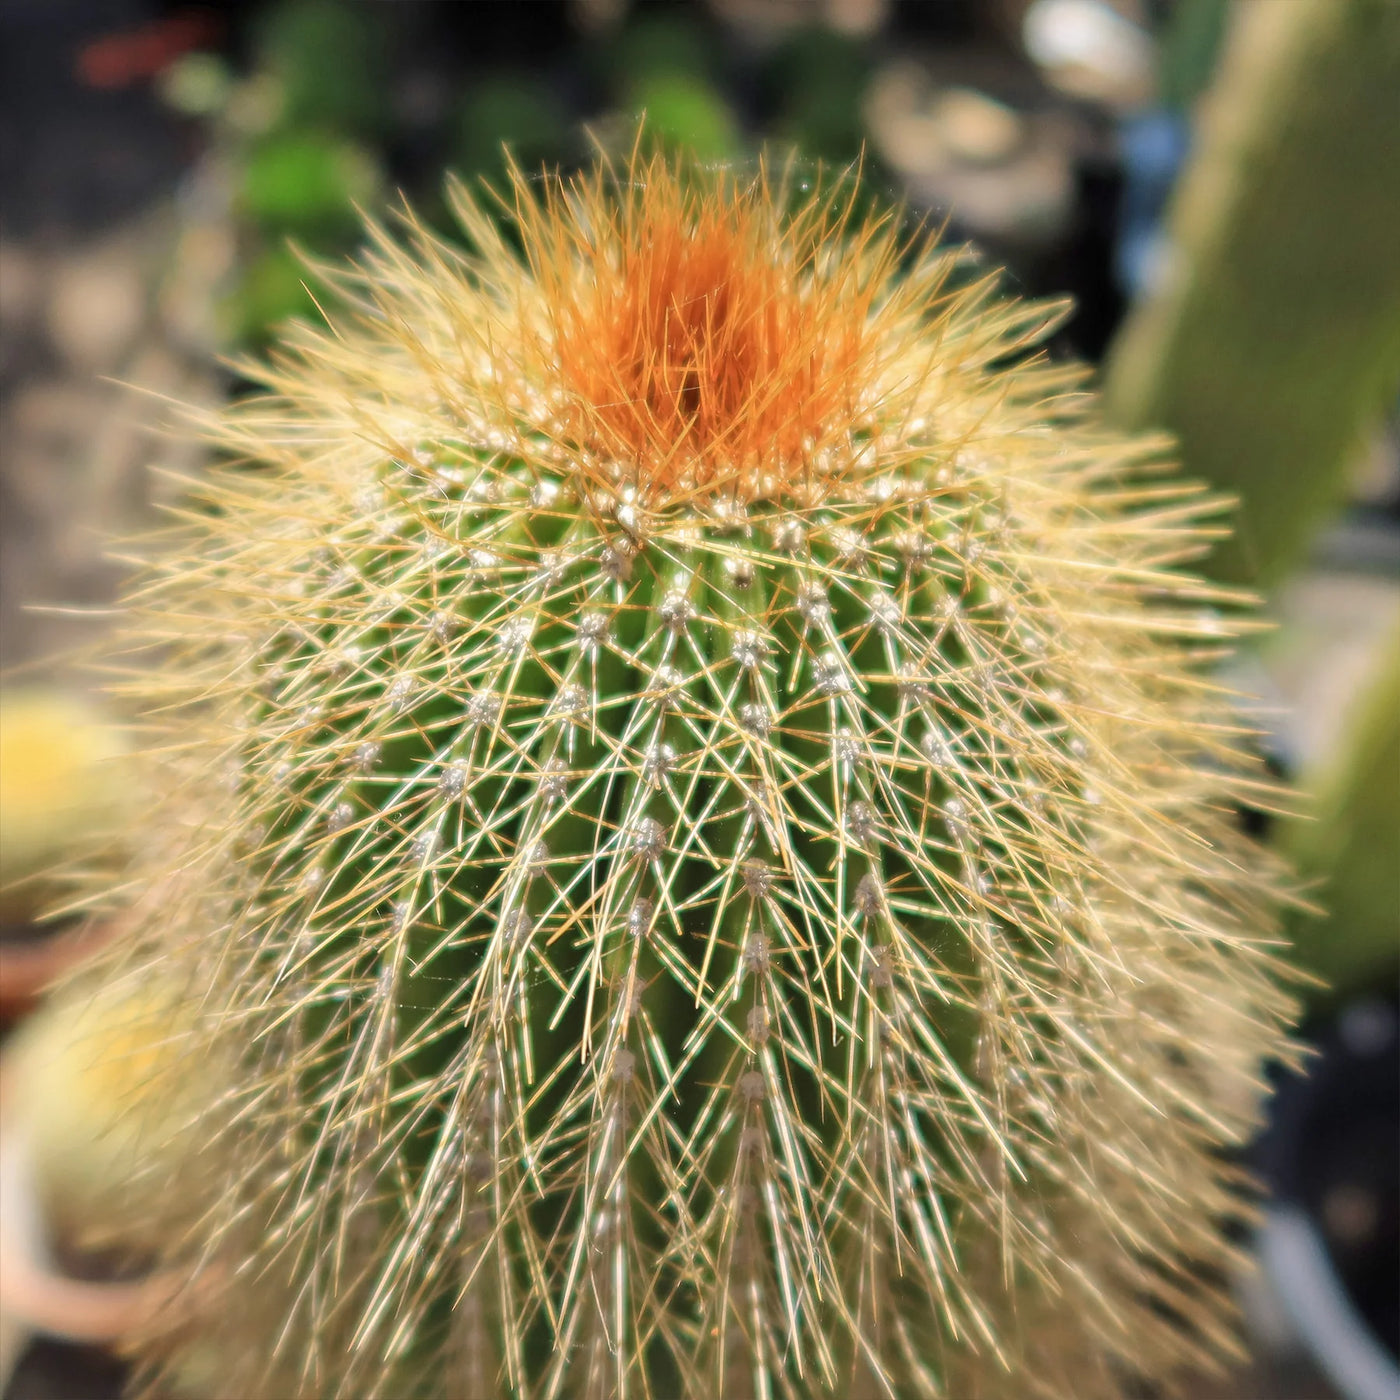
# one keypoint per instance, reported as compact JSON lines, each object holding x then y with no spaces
{"x":1346,"y":845}
{"x":61,"y":785}
{"x":695,"y":802}
{"x":1279,"y":238}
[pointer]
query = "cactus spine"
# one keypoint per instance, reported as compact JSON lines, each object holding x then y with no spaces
{"x":701,"y":818}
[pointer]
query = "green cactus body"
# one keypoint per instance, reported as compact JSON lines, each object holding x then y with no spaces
{"x":707,"y":827}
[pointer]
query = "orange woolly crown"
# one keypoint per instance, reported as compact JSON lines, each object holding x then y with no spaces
{"x":703,"y":340}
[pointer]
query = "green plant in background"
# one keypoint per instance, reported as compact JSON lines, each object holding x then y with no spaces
{"x":1272,"y":349}
{"x":301,"y":136}
{"x":686,"y":114}
{"x":1190,"y":50}
{"x":332,"y":61}
{"x":1351,"y":841}
{"x":301,"y":186}
{"x":1271,"y":346}
{"x":305,"y":183}
{"x":696,"y":802}
{"x":518,"y":112}
{"x":821,"y":79}
{"x":663,"y":66}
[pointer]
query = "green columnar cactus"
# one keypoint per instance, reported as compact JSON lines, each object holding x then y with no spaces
{"x":1348,"y":844}
{"x":697,"y":809}
{"x":1270,"y":347}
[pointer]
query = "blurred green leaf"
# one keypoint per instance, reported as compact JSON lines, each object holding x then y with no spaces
{"x":820,"y":79}
{"x":660,"y":44}
{"x":333,"y":60}
{"x":684,"y":113}
{"x":196,"y":84}
{"x":271,"y":291}
{"x":307,"y":184}
{"x":517,"y":110}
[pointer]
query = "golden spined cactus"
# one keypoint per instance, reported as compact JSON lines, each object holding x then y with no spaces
{"x":698,"y":797}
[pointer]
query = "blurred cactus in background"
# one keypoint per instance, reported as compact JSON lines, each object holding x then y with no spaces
{"x":62,"y":787}
{"x":1270,"y":344}
{"x":296,"y":148}
{"x":1351,"y":843}
{"x":1270,"y":341}
{"x":85,"y":1079}
{"x":696,"y":799}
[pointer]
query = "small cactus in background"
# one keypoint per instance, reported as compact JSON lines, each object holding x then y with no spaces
{"x":61,"y":782}
{"x":696,"y":799}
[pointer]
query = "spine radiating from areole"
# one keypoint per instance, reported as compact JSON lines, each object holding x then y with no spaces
{"x":697,"y":806}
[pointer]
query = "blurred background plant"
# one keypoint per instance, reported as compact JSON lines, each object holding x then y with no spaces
{"x":166,"y":166}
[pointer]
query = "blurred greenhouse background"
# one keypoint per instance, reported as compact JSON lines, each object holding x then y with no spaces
{"x":1215,"y":183}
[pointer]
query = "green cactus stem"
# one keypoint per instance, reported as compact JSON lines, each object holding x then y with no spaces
{"x":1271,"y":346}
{"x":696,"y":798}
{"x":1348,"y":843}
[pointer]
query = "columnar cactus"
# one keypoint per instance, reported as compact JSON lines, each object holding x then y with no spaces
{"x":700,"y":830}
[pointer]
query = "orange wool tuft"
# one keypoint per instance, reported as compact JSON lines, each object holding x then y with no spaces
{"x":703,"y":342}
